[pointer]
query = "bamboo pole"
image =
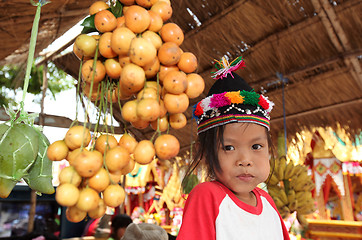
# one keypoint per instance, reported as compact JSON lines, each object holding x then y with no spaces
{"x":32,"y":211}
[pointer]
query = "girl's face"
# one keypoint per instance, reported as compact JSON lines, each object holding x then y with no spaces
{"x":244,"y":159}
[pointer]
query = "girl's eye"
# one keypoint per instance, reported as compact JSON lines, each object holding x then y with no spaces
{"x":229,"y":148}
{"x":256,"y":146}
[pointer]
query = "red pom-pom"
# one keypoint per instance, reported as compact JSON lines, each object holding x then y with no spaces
{"x":198,"y":111}
{"x":263,"y":103}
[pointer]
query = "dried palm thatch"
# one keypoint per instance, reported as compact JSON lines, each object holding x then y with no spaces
{"x":315,"y":44}
{"x":17,"y":18}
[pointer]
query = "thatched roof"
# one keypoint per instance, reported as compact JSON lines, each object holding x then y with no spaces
{"x":17,"y":18}
{"x":315,"y":44}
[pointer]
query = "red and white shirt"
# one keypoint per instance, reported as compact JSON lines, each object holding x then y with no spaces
{"x":213,"y":212}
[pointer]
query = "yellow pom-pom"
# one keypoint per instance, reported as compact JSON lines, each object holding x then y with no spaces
{"x":235,"y":97}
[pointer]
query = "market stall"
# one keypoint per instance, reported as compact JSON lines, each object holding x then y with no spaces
{"x":335,"y":167}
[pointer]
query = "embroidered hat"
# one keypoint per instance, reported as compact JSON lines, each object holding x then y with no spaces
{"x":144,"y":231}
{"x":231,"y":99}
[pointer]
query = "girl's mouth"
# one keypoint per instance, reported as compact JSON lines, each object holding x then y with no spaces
{"x":245,"y":177}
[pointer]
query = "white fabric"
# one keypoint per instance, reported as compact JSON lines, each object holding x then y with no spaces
{"x":267,"y":225}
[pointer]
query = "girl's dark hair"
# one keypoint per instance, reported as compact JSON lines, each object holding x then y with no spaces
{"x":207,"y":145}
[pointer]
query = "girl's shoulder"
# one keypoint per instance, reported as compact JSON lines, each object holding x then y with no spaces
{"x":212,"y":188}
{"x":205,"y":195}
{"x":209,"y":186}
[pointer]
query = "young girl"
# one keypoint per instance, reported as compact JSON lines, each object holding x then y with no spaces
{"x":233,"y":143}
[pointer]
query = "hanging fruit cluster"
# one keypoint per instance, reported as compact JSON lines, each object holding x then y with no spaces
{"x":140,"y":62}
{"x":290,"y":187}
{"x":135,"y":59}
{"x":94,"y":167}
{"x":97,"y":167}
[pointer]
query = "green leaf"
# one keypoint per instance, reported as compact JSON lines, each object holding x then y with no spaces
{"x":86,"y":30}
{"x":117,"y":9}
{"x":88,"y":24}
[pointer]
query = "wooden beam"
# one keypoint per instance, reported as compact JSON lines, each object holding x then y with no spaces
{"x":338,"y":37}
{"x":50,"y":55}
{"x":59,"y":121}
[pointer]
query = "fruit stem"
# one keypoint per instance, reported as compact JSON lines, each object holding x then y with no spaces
{"x":168,"y":128}
{"x":158,"y":124}
{"x":104,"y":101}
{"x":119,"y":104}
{"x":111,"y":108}
{"x":105,"y":167}
{"x":91,"y":87}
{"x":154,"y":134}
{"x":118,"y":98}
{"x":33,"y":37}
{"x":158,"y":83}
{"x":78,"y":88}
{"x":158,"y":99}
{"x":105,"y":92}
{"x":24,"y":116}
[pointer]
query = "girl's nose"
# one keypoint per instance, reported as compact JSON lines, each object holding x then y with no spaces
{"x":244,"y":161}
{"x":244,"y":164}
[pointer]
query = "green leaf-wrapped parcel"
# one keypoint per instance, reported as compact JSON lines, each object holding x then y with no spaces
{"x":39,"y":177}
{"x":19,"y":144}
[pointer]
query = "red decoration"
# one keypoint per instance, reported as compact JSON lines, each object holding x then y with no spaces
{"x":263,"y":103}
{"x":198,"y":110}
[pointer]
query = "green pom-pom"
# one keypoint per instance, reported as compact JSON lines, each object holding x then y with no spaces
{"x":251,"y":98}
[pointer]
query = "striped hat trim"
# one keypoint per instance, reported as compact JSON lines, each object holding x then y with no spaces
{"x":224,"y":119}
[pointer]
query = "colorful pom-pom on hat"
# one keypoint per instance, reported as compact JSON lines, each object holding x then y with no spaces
{"x":231,"y":99}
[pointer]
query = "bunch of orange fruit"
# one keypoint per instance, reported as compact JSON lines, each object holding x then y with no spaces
{"x":91,"y":181}
{"x":140,"y":54}
{"x":139,"y":61}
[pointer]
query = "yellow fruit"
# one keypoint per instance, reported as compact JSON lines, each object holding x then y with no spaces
{"x":114,"y":195}
{"x":67,"y":195}
{"x":142,"y":51}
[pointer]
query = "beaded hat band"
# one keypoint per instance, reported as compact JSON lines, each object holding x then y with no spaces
{"x":230,"y":100}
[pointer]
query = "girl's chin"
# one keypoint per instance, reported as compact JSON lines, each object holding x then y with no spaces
{"x":242,"y":190}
